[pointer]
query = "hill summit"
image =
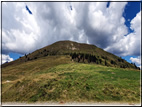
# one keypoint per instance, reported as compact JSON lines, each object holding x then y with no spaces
{"x":78,"y":52}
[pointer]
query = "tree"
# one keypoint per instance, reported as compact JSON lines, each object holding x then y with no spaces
{"x":105,"y":62}
{"x":94,"y":58}
{"x":35,"y":57}
{"x":112,"y":62}
{"x":83,"y":58}
{"x":100,"y":61}
{"x":89,"y":58}
{"x":73,"y":55}
{"x":78,"y":59}
{"x":135,"y":65}
{"x":119,"y":59}
{"x":28,"y":58}
{"x":86,"y":56}
{"x":97,"y":62}
{"x":25,"y":55}
{"x":103,"y":57}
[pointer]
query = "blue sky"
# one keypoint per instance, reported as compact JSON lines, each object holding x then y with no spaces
{"x":112,"y":26}
{"x":127,"y":58}
{"x":130,"y":11}
{"x":15,"y":55}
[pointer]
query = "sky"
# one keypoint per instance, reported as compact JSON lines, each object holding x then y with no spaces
{"x":112,"y":26}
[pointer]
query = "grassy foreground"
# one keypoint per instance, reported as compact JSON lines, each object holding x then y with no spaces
{"x":68,"y":81}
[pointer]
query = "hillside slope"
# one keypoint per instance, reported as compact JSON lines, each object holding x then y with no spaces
{"x":62,"y":80}
{"x":67,"y":71}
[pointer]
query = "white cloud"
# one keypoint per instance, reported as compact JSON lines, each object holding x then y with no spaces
{"x":88,"y":22}
{"x":130,"y":44}
{"x":137,"y":61}
{"x":106,"y":24}
{"x":19,"y":33}
{"x":6,"y":58}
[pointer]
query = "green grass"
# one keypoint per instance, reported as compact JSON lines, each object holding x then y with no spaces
{"x":69,"y":81}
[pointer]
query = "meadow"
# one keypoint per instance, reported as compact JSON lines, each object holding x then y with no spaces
{"x":63,"y":80}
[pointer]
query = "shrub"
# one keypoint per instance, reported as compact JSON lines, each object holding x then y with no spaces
{"x":35,"y":57}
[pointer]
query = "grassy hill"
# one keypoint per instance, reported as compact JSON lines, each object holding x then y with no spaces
{"x":60,"y":77}
{"x":78,"y":52}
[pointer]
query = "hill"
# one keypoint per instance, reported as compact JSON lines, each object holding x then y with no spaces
{"x":79,"y":52}
{"x":59,"y":73}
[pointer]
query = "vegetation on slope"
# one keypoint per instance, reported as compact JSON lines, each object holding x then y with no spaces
{"x":67,"y":71}
{"x":57,"y":78}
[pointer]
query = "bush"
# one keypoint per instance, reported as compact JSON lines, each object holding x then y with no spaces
{"x":35,"y":57}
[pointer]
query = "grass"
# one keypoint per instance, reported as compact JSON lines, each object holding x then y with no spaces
{"x":67,"y":81}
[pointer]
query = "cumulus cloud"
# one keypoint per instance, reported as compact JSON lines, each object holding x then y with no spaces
{"x":19,"y":29}
{"x":130,"y":44}
{"x":137,"y":61}
{"x":6,"y":58}
{"x":87,"y":22}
